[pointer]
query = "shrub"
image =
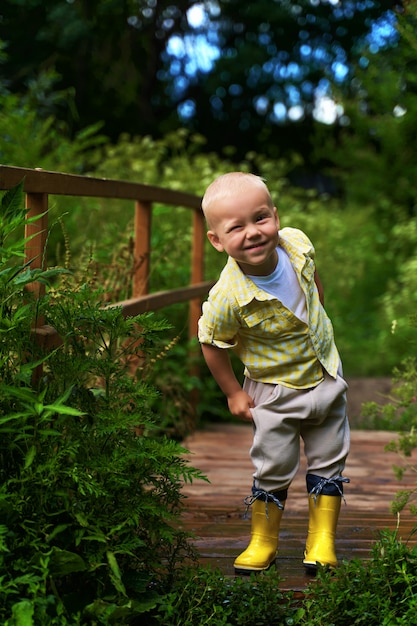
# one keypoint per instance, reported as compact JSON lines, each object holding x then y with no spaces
{"x":400,"y":414}
{"x":379,"y":592}
{"x":89,"y":494}
{"x":204,"y":596}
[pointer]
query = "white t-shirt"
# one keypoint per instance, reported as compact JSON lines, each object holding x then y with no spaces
{"x":284,"y":285}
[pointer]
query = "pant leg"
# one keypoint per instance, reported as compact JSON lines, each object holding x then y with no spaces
{"x":275,"y":450}
{"x":326,"y":432}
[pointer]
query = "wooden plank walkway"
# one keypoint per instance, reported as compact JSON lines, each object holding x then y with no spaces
{"x":214,"y":511}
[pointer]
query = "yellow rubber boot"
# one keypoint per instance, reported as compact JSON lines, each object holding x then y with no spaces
{"x":320,"y":545}
{"x":262,"y":549}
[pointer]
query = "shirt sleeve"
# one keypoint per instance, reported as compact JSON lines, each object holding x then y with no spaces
{"x":218,"y":325}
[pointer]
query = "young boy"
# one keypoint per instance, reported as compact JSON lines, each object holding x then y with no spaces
{"x":267,"y":306}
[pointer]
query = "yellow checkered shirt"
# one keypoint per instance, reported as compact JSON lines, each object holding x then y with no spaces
{"x":272,"y":343}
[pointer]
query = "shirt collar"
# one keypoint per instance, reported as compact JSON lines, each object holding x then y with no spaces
{"x":297,"y":253}
{"x":245,"y":289}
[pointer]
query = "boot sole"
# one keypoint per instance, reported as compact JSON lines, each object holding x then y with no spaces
{"x":247,"y":571}
{"x":312,"y":567}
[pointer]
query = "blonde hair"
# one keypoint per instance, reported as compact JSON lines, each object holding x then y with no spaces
{"x":229,"y":184}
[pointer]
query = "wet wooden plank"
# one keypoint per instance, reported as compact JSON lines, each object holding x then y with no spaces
{"x":215,"y":511}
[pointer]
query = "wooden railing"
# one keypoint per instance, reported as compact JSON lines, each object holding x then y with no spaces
{"x":40,"y":184}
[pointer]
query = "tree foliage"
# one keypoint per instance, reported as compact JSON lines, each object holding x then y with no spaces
{"x":117,"y":58}
{"x":275,"y":63}
{"x":108,"y":52}
{"x":373,"y":146}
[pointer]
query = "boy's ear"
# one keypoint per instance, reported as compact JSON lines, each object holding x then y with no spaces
{"x":215,"y":241}
{"x":276,"y":216}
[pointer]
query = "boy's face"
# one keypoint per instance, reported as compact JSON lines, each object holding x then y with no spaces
{"x":246,"y":227}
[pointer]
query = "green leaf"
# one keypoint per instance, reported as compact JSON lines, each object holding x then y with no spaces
{"x":23,"y":277}
{"x":11,"y":203}
{"x":58,"y":529}
{"x":63,"y":562}
{"x":30,"y":456}
{"x":49,"y":432}
{"x":13,"y":416}
{"x":63,"y":410}
{"x":23,"y":613}
{"x":115,"y":573}
{"x":81,"y":519}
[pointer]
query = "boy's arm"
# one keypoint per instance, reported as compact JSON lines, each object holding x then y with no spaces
{"x":219,"y":364}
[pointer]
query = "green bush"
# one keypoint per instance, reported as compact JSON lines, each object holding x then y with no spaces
{"x":378,"y":592}
{"x":399,"y":414}
{"x":88,"y":493}
{"x":205,"y":596}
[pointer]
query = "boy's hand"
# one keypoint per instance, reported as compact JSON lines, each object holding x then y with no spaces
{"x":218,"y":362}
{"x":239,"y":405}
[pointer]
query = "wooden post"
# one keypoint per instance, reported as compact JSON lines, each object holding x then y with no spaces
{"x":36,"y":235}
{"x":35,"y":254}
{"x":143,"y":218}
{"x":197,"y":268}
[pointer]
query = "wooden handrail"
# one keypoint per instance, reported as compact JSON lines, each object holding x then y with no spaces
{"x":39,"y":184}
{"x":161,"y":299}
{"x":60,"y":184}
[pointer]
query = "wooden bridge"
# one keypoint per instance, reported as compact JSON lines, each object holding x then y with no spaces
{"x":214,"y":511}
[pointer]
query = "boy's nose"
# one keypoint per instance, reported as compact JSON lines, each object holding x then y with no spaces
{"x":252,"y":230}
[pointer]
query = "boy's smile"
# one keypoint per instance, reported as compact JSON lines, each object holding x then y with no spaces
{"x":245,"y":225}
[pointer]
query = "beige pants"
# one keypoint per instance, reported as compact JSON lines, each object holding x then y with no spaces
{"x":283,"y":416}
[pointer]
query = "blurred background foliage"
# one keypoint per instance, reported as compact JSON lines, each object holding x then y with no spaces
{"x":317,"y":97}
